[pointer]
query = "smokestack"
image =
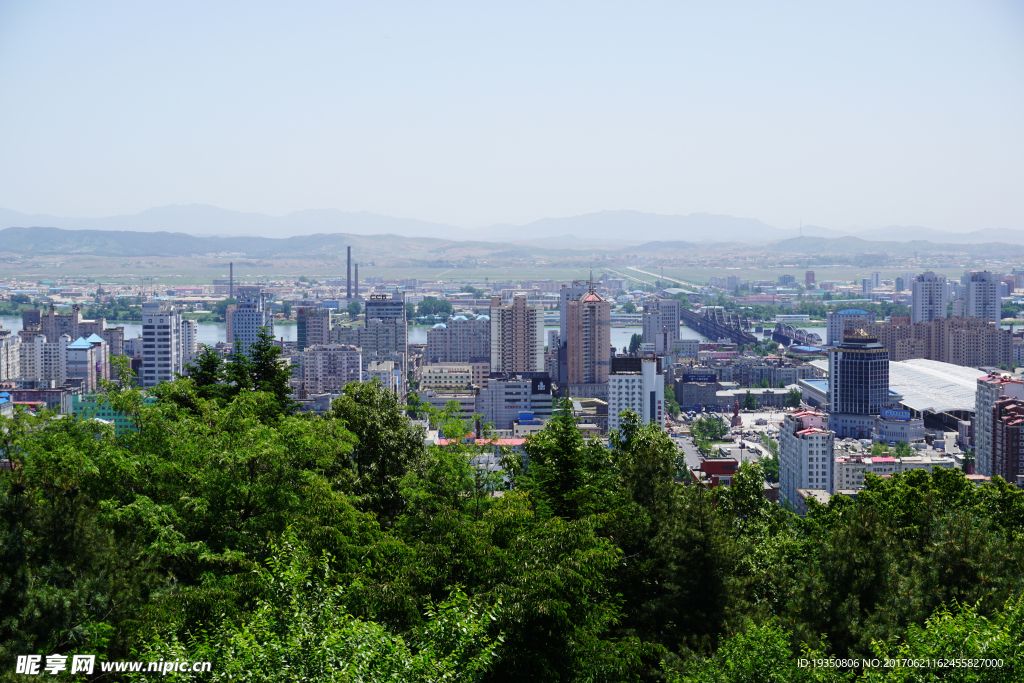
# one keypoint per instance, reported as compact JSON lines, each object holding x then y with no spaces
{"x":348,"y":277}
{"x":231,"y":279}
{"x":357,"y":280}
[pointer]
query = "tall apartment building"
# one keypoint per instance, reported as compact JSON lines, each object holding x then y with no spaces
{"x":928,"y":297}
{"x":846,"y":321}
{"x":189,"y":340}
{"x":1007,"y":439}
{"x":82,"y":364}
{"x":805,"y":454}
{"x":252,"y":313}
{"x":508,"y":394}
{"x":991,"y":389}
{"x":958,"y":340}
{"x":387,"y":315}
{"x":641,"y":390}
{"x":313,"y":326}
{"x":517,"y":336}
{"x":327,"y":368}
{"x":461,"y":340}
{"x":858,"y":383}
{"x":161,"y":343}
{"x":588,"y":344}
{"x":809,"y":282}
{"x":10,"y":356}
{"x":53,"y":325}
{"x":566,"y":294}
{"x":982,"y":298}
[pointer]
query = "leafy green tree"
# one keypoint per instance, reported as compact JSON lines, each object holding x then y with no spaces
{"x":749,"y":402}
{"x":793,"y":398}
{"x":207,"y":372}
{"x":634,"y":342}
{"x":286,"y":309}
{"x":671,"y":405}
{"x":434,"y":306}
{"x":629,"y":307}
{"x":354,"y":308}
{"x":387,"y":445}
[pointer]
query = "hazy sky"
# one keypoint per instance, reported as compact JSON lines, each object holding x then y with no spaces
{"x":837,"y":114}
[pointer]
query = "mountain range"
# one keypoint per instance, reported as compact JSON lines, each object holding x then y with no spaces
{"x":616,"y":227}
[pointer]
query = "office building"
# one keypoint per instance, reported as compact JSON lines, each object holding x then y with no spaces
{"x":446,"y":376}
{"x":992,"y":389}
{"x":252,"y":314}
{"x":805,"y":454}
{"x":566,"y":294}
{"x":928,"y":297}
{"x":508,"y":394}
{"x":327,"y":368}
{"x":858,"y":385}
{"x":638,"y":387}
{"x":982,"y":299}
{"x":460,"y":340}
{"x":387,"y":316}
{"x":840,"y":323}
{"x":517,"y":336}
{"x":588,"y":345}
{"x":161,"y":344}
{"x":313,"y":326}
{"x":786,"y":280}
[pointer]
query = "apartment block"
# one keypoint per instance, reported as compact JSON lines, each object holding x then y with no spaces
{"x":928,"y":297}
{"x":517,"y":336}
{"x":850,"y":470}
{"x":460,"y":340}
{"x":313,"y":326}
{"x":641,"y":391}
{"x":161,"y":344}
{"x":327,"y":368}
{"x":991,"y":390}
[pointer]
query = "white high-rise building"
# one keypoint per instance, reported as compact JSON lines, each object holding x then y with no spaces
{"x":991,"y":388}
{"x":839,"y":323}
{"x":10,"y":356}
{"x":161,"y":343}
{"x":929,"y":296}
{"x":517,"y":336}
{"x":189,"y":340}
{"x":643,"y":392}
{"x":805,"y":454}
{"x":252,"y":313}
{"x":982,"y":299}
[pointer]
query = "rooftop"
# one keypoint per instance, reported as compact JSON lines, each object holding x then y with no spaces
{"x":934,"y":385}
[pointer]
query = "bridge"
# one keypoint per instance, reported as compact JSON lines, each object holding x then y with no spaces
{"x":714,"y":323}
{"x":787,"y":335}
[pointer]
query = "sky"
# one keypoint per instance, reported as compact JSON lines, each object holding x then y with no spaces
{"x":842,"y":115}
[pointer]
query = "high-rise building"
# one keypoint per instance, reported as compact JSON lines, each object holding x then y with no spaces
{"x":786,"y":280}
{"x":389,"y":313}
{"x":517,"y":336}
{"x":928,"y":297}
{"x":991,"y":389}
{"x":460,"y":340}
{"x":805,"y":454}
{"x":957,"y":340}
{"x":588,"y":342}
{"x":327,"y":368}
{"x":10,"y":355}
{"x":640,"y":389}
{"x":667,"y":319}
{"x":841,"y":323}
{"x":252,"y":314}
{"x":858,"y":383}
{"x":982,"y":298}
{"x":809,"y":279}
{"x":566,"y":294}
{"x":82,"y":364}
{"x":1007,"y":439}
{"x":161,"y":343}
{"x":313,"y":326}
{"x":189,"y":340}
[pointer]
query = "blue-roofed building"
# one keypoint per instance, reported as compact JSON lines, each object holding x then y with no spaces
{"x":6,"y":404}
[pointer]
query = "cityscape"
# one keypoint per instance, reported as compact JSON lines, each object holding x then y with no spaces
{"x":656,"y":343}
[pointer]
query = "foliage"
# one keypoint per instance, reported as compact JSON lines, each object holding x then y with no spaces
{"x":749,"y":402}
{"x":634,"y":342}
{"x":671,"y":405}
{"x":434,"y":306}
{"x":629,"y":307}
{"x":793,"y":398}
{"x":354,"y":308}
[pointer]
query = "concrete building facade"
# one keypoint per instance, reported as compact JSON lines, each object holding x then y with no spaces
{"x":805,"y":454}
{"x":517,"y":336}
{"x":642,"y":392}
{"x":928,"y":297}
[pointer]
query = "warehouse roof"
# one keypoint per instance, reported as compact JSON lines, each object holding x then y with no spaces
{"x":933,"y":385}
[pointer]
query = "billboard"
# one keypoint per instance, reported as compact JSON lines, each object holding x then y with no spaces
{"x":894,"y":414}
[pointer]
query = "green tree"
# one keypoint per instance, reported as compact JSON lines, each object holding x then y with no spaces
{"x":671,"y":405}
{"x":793,"y":398}
{"x":634,"y":342}
{"x":354,"y":308}
{"x":434,"y":306}
{"x":286,"y":309}
{"x":749,"y":402}
{"x":387,"y":446}
{"x":207,"y":372}
{"x":629,"y":307}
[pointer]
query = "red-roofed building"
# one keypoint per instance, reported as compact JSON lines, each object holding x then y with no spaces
{"x":713,"y":472}
{"x":805,"y":454}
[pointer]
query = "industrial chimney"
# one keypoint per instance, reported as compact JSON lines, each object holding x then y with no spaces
{"x":348,"y":276}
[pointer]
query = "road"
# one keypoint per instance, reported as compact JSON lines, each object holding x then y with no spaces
{"x":685,"y":285}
